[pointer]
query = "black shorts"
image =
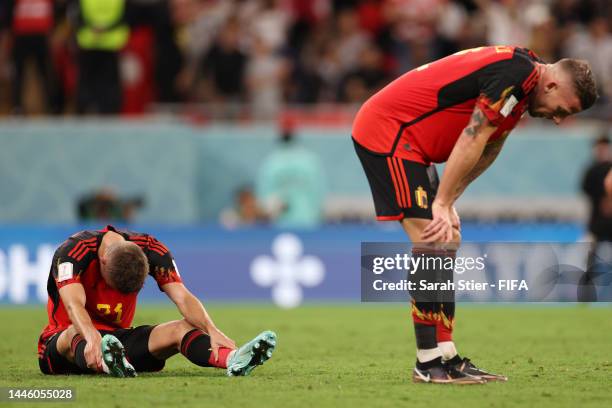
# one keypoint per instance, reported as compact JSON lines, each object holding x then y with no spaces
{"x":400,"y":188}
{"x":136,"y":343}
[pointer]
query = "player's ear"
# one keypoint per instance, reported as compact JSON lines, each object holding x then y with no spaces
{"x":551,"y":86}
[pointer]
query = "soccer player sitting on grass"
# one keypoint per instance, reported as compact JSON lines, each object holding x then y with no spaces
{"x":93,"y":286}
{"x":457,"y":110}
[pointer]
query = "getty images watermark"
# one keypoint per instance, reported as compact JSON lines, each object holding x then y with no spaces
{"x":487,"y":272}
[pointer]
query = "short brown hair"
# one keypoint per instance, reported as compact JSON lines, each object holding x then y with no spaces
{"x":127,"y":267}
{"x":584,"y":82}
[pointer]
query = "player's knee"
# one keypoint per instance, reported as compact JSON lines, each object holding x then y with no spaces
{"x":182,"y":327}
{"x":456,"y":236}
{"x":456,"y":240}
{"x":64,"y":341}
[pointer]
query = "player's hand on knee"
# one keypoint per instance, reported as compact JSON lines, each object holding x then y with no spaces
{"x":440,"y":229}
{"x":219,"y":339}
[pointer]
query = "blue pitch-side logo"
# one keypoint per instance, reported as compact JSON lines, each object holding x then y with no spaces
{"x":280,"y":270}
{"x":286,"y":268}
{"x":23,"y":278}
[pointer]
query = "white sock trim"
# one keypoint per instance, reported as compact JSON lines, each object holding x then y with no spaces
{"x":424,"y":355}
{"x":448,"y":349}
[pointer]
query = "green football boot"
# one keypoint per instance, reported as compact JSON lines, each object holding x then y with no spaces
{"x":113,"y":355}
{"x":252,"y":354}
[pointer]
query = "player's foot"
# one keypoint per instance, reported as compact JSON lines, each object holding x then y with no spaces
{"x":113,"y":355}
{"x":252,"y":354}
{"x":467,"y":367}
{"x":443,"y":374}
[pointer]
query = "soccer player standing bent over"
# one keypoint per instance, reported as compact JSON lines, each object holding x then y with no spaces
{"x":93,"y":286}
{"x":457,"y":110}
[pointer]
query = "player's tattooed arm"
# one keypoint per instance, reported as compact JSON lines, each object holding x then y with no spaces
{"x":477,"y":121}
{"x":465,"y":155}
{"x":490,"y":153}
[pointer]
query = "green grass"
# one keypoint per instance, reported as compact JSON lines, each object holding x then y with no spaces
{"x":332,"y":356}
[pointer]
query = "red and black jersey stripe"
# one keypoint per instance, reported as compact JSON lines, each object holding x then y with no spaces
{"x":147,"y":242}
{"x":81,"y":245}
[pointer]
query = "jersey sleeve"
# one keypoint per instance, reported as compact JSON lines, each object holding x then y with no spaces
{"x":162,"y":266}
{"x":71,"y":260}
{"x":503,"y":84}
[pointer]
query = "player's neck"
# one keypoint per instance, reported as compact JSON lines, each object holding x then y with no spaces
{"x":542,"y":68}
{"x":109,"y":238}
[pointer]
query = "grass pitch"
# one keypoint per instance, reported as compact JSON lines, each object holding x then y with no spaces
{"x":330,"y":356}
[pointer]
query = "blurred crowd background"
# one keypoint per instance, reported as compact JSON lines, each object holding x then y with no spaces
{"x":240,"y":110}
{"x":223,"y":128}
{"x":253,"y":58}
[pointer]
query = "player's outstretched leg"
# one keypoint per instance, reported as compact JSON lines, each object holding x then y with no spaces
{"x":257,"y":351}
{"x":113,"y":356}
{"x":180,"y":336}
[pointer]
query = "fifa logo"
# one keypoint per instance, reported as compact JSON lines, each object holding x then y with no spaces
{"x":421,"y":197}
{"x":287,"y":270}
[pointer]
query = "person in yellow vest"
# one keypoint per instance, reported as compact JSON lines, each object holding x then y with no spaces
{"x":102,"y":32}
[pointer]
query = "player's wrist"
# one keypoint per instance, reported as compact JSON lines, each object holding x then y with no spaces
{"x":443,"y":203}
{"x":211,"y":328}
{"x":92,"y":336}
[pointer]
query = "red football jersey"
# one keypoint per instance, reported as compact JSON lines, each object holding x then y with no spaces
{"x":76,"y":261}
{"x":421,"y":114}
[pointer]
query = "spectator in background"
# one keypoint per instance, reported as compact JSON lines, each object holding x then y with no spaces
{"x":365,"y":79}
{"x":246,"y":210}
{"x":265,"y":76}
{"x":267,"y":21}
{"x":506,"y":21}
{"x":290,"y":184}
{"x":306,"y":83}
{"x":328,"y":68}
{"x":167,"y":15}
{"x":102,"y":32}
{"x":200,"y":33}
{"x":225,"y":66}
{"x":608,"y":183}
{"x":600,"y":220}
{"x":350,"y":39}
{"x":594,"y":43}
{"x":452,"y":28}
{"x":105,"y":205}
{"x":30,"y":24}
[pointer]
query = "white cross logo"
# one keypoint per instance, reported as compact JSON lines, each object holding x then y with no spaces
{"x":287,"y":270}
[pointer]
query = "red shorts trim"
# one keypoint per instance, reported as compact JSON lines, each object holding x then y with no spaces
{"x":390,"y":217}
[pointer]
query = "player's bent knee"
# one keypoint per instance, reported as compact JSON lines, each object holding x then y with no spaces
{"x":182,"y":327}
{"x":71,"y":331}
{"x":456,"y":236}
{"x":456,"y":240}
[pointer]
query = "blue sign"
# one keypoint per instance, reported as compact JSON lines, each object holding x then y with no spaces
{"x":261,"y":264}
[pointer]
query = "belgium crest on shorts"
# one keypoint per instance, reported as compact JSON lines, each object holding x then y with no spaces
{"x":421,"y":197}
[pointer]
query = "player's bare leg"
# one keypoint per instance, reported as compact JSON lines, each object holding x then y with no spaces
{"x":165,"y":339}
{"x":443,"y":319}
{"x":170,"y":338}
